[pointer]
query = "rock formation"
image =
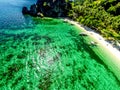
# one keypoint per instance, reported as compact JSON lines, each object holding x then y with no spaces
{"x":49,"y":8}
{"x":25,"y":10}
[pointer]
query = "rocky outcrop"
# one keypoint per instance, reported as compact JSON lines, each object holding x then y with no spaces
{"x":49,"y":8}
{"x":33,"y":10}
{"x":25,"y":10}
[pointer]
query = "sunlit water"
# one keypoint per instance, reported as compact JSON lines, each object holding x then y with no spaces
{"x":49,"y":54}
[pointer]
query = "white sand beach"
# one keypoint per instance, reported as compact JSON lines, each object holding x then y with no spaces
{"x":114,"y":63}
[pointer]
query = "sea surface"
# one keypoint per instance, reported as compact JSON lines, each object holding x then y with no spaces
{"x":48,"y":54}
{"x":11,"y":16}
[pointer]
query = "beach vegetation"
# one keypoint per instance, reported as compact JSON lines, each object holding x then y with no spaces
{"x":101,"y":15}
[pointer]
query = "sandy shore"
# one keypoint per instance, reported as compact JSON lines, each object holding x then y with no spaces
{"x":113,"y":63}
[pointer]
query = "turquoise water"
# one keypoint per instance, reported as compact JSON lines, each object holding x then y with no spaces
{"x":49,"y":54}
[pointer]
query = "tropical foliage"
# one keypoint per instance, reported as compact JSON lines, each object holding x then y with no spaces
{"x":100,"y":15}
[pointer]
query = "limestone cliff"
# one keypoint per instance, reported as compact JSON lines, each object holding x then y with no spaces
{"x":49,"y":8}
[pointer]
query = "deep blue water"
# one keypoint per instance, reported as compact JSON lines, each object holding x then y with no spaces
{"x":11,"y":14}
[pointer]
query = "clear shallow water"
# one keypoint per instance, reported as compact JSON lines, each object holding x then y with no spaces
{"x":51,"y":56}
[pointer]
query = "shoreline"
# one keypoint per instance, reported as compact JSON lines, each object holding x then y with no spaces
{"x":114,"y":62}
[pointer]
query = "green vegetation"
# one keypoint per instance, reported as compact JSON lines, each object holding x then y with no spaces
{"x":100,"y":15}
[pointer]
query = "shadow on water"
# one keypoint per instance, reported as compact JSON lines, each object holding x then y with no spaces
{"x":49,"y":59}
{"x":83,"y":46}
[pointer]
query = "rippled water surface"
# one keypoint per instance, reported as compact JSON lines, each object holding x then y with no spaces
{"x":11,"y":16}
{"x":49,"y":55}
